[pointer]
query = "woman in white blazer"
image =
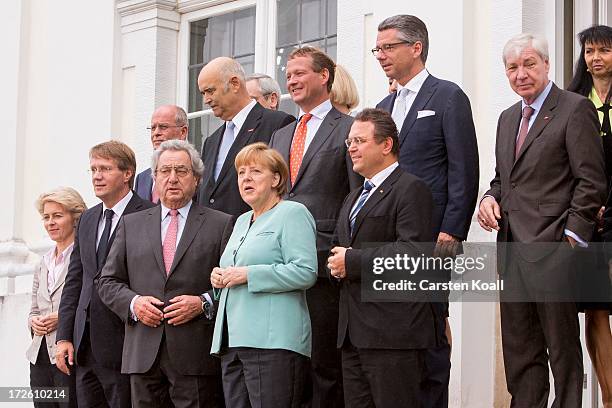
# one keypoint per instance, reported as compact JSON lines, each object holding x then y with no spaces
{"x":60,"y":210}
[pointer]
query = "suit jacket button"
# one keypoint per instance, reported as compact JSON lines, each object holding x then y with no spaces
{"x":291,"y":194}
{"x":212,"y":200}
{"x":513,"y":185}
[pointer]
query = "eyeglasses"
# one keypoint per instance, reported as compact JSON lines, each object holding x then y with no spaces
{"x":162,"y":127}
{"x":181,"y":171}
{"x":357,"y":140}
{"x":388,"y":47}
{"x":103,"y":170}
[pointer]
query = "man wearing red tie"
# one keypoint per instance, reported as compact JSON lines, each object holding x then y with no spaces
{"x":157,"y":281}
{"x":321,"y":176}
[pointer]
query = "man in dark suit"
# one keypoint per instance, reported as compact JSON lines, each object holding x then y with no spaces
{"x":88,"y":333}
{"x":383,"y":343}
{"x":548,"y":187}
{"x":437,"y":144}
{"x":156,"y":281}
{"x":321,"y":176}
{"x":167,"y":123}
{"x":222,"y":84}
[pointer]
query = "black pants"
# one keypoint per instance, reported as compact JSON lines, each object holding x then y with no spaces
{"x":434,"y":390}
{"x":44,"y":374}
{"x":378,"y":378}
{"x":324,"y":385}
{"x":97,"y":385}
{"x":262,"y":378}
{"x":164,"y":386}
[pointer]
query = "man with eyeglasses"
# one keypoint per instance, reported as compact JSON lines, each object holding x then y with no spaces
{"x":89,"y":335}
{"x":383,"y":344}
{"x":222,"y":83}
{"x":168,"y":122}
{"x":437,"y":144}
{"x":321,"y":175}
{"x":157,"y":280}
{"x":264,"y":89}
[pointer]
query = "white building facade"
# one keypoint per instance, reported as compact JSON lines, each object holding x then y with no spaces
{"x":76,"y":73}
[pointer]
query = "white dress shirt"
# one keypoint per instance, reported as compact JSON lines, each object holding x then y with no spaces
{"x":54,"y":264}
{"x":118,"y":209}
{"x":377,"y":180}
{"x":413,"y":86}
{"x":312,"y":126}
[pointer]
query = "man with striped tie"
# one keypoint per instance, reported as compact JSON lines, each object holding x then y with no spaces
{"x":383,"y":344}
{"x":157,"y":280}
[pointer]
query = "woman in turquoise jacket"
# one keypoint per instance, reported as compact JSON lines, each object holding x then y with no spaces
{"x":262,"y":330}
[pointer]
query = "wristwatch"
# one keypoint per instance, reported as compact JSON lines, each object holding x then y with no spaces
{"x":207,"y":308}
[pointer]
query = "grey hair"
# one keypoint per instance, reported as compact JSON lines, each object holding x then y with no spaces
{"x":179,"y":146}
{"x":266,"y":83}
{"x":410,"y":29}
{"x":519,"y":42}
{"x":180,"y":117}
{"x":232,"y":68}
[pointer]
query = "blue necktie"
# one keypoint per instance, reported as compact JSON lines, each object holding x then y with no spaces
{"x":367,"y":186}
{"x":224,"y":148}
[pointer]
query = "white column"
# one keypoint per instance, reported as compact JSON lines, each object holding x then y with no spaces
{"x":148,"y":64}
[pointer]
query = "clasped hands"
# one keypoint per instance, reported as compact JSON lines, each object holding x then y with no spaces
{"x":181,"y":310}
{"x":227,"y":277}
{"x":42,"y":325}
{"x":336,"y":264}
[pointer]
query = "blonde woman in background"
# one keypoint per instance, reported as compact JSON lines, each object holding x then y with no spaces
{"x":344,"y":95}
{"x":60,"y":210}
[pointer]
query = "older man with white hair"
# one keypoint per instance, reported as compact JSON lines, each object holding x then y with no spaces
{"x":157,"y":280}
{"x":265,"y":90}
{"x":549,"y":184}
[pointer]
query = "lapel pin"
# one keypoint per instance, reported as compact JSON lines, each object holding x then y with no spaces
{"x":250,"y":130}
{"x":546,"y":117}
{"x":381,"y":191}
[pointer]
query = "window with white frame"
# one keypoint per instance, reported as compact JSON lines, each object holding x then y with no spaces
{"x":230,"y":34}
{"x":233,"y":33}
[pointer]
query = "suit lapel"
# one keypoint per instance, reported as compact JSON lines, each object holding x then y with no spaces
{"x":194,"y":221}
{"x":60,"y":278}
{"x":134,"y":205}
{"x":210,"y":157}
{"x":148,"y":185}
{"x":376,"y":196}
{"x":427,"y":90}
{"x":43,"y":282}
{"x":325,"y":130}
{"x":248,"y":129}
{"x":90,"y":234}
{"x":541,"y":121}
{"x":153,"y":231}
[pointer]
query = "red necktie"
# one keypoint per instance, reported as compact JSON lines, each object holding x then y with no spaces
{"x":169,"y":246}
{"x":527,"y":112}
{"x":297,"y":148}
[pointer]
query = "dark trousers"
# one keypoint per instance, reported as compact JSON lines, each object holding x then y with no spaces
{"x":97,"y":385}
{"x":262,"y":378}
{"x":534,"y":335}
{"x":434,"y":390}
{"x":324,"y":386}
{"x":44,"y":374}
{"x":378,"y":378}
{"x":163,"y":386}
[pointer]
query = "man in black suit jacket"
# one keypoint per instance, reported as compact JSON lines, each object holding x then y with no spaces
{"x":156,"y":281}
{"x":168,"y":122}
{"x":222,"y":84}
{"x":437,"y":144}
{"x":88,"y":333}
{"x":321,"y":176}
{"x":383,"y":343}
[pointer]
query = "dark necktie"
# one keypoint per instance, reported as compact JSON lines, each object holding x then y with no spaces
{"x":103,"y":244}
{"x":605,"y":124}
{"x":367,"y":186}
{"x":527,"y":112}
